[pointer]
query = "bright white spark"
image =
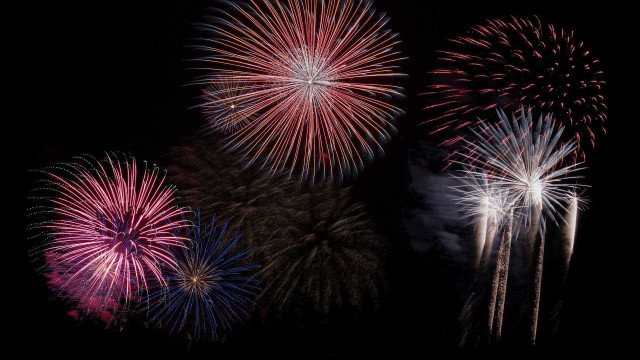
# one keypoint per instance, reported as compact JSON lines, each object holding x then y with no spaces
{"x":479,"y":196}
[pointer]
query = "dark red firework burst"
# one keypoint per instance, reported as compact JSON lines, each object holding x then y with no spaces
{"x":508,"y":64}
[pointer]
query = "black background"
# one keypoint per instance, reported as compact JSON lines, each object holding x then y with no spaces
{"x":111,"y":76}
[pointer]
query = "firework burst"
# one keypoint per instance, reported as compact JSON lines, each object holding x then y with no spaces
{"x":492,"y":206}
{"x":325,"y":253}
{"x":505,"y":63}
{"x":214,"y":180}
{"x":110,"y":233}
{"x":526,"y":159}
{"x":209,"y":288}
{"x":317,"y":78}
{"x":487,"y":204}
{"x":226,"y":104}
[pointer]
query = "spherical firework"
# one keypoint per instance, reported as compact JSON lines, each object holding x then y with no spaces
{"x":324,"y":253}
{"x":317,"y":76}
{"x":208,"y":289}
{"x":226,"y":104}
{"x":503,"y":64}
{"x":111,"y":231}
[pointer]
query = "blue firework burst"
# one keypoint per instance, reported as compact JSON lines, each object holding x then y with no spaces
{"x":209,"y":289}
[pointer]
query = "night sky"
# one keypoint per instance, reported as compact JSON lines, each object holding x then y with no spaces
{"x":108,"y":76}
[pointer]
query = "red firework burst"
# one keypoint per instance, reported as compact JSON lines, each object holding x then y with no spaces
{"x":507,"y":64}
{"x":316,"y":80}
{"x":111,"y":234}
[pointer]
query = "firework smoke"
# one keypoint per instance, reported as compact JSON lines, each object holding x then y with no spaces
{"x":316,"y":77}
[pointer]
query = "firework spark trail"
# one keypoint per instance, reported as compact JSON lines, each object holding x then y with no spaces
{"x":569,"y":231}
{"x":481,"y":236}
{"x":482,"y":198}
{"x":537,"y":285}
{"x":318,"y":76}
{"x":502,"y":275}
{"x":533,"y":228}
{"x":506,"y":63}
{"x":495,"y":284}
{"x":491,"y":227}
{"x":111,"y":230}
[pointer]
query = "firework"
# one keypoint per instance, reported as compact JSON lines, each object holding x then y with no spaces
{"x":209,"y":288}
{"x":325,"y":253}
{"x":110,"y":232}
{"x":482,"y":200}
{"x":505,"y":63}
{"x":214,"y":180}
{"x":316,"y":247}
{"x":526,"y":159}
{"x":316,"y":75}
{"x":499,"y":285}
{"x":226,"y":104}
{"x":571,"y":221}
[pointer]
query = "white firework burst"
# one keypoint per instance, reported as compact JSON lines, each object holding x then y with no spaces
{"x":526,"y":159}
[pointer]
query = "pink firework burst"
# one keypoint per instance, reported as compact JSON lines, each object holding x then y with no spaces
{"x":317,"y":77}
{"x":111,"y":232}
{"x":520,"y":61}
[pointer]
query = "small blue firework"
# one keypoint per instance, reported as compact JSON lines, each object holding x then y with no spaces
{"x":209,"y":289}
